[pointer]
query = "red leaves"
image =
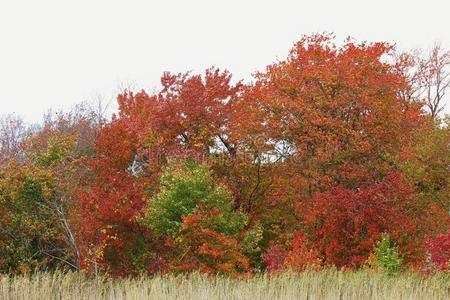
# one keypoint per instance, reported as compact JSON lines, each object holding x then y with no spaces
{"x":297,"y":258}
{"x":334,"y":125}
{"x":332,"y":105}
{"x":274,"y":257}
{"x":115,"y":146}
{"x":188,"y":112}
{"x":106,"y":212}
{"x":301,"y":256}
{"x":343,"y":225}
{"x":439,"y":251}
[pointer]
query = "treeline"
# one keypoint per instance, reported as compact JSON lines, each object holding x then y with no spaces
{"x":336,"y":156}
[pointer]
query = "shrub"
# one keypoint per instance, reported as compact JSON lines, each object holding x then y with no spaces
{"x":387,"y":256}
{"x":300,"y":257}
{"x":439,"y":252}
{"x":343,"y":225}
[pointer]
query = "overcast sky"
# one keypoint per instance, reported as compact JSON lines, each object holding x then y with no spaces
{"x":54,"y":54}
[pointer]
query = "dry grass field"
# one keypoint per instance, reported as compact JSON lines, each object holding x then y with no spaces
{"x":308,"y":285}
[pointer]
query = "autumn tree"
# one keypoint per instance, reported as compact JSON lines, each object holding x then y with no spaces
{"x":189,"y":112}
{"x":334,"y":120}
{"x":344,"y":225}
{"x":109,"y":200}
{"x":200,"y":219}
{"x":35,"y":227}
{"x":309,"y":165}
{"x":38,"y":187}
{"x":333,"y":112}
{"x":426,"y":164}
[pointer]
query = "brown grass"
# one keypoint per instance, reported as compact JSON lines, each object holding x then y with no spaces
{"x":308,"y":285}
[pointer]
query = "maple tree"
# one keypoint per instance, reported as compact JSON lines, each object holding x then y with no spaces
{"x":189,"y":112}
{"x":331,"y":111}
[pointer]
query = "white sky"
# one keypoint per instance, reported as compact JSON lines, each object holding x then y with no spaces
{"x":54,"y":54}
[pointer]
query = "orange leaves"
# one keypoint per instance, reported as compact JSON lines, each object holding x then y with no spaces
{"x":207,"y":250}
{"x":106,"y":217}
{"x":298,"y":258}
{"x":331,"y":104}
{"x":301,"y":256}
{"x":115,"y":146}
{"x":312,"y":148}
{"x":189,"y":111}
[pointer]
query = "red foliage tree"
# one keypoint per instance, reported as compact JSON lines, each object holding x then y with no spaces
{"x":108,"y":211}
{"x":333,"y":120}
{"x":325,"y":131}
{"x":343,"y":225}
{"x":439,"y":252}
{"x":109,"y":202}
{"x":328,"y":111}
{"x":189,"y":113}
{"x":275,"y":257}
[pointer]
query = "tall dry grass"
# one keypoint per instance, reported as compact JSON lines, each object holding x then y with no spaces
{"x":308,"y":285}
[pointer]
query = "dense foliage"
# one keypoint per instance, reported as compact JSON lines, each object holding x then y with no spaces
{"x":331,"y":157}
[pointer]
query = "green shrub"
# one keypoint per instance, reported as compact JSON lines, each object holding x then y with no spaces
{"x":186,"y":185}
{"x":387,"y":255}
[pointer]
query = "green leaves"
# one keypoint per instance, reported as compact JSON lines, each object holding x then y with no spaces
{"x":388,"y":257}
{"x":56,"y":151}
{"x":185,"y":186}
